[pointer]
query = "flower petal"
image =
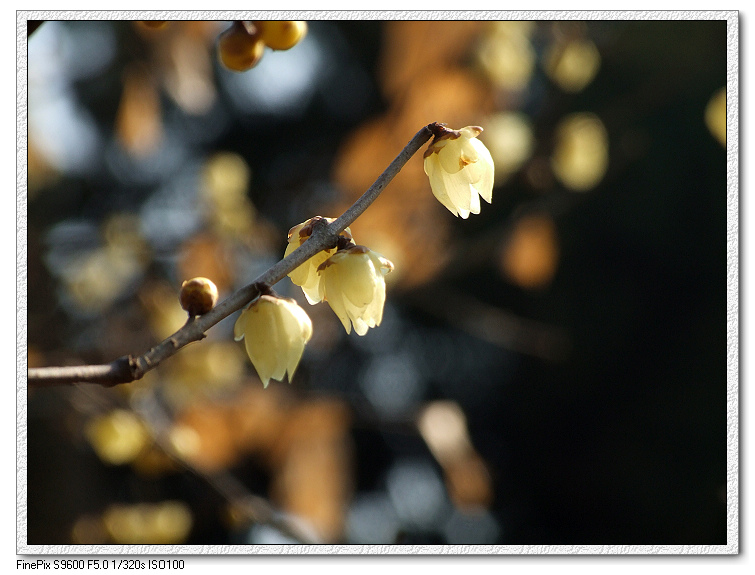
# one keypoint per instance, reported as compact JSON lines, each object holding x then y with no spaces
{"x":297,"y":328}
{"x":474,"y":206}
{"x":450,"y":156}
{"x":459,"y":191}
{"x":239,"y":328}
{"x":337,"y":304}
{"x":485,"y":172}
{"x":437,"y":185}
{"x":468,"y":150}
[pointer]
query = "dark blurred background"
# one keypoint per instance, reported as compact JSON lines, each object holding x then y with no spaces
{"x":547,"y":372}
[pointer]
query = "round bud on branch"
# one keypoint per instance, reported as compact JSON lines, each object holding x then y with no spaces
{"x":198,"y":296}
{"x":281,"y":34}
{"x":239,"y":49}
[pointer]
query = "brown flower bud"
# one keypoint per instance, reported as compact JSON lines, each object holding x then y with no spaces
{"x":240,"y":50}
{"x":198,"y":296}
{"x":281,"y":34}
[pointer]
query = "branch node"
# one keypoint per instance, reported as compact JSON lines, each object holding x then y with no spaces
{"x":134,"y":368}
{"x":263,"y":288}
{"x":322,"y":230}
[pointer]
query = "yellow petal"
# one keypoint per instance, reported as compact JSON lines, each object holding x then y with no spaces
{"x":360,"y":280}
{"x":239,"y":328}
{"x":438,"y":187}
{"x":470,"y":132}
{"x":459,"y":191}
{"x":474,"y":205}
{"x":468,"y":149}
{"x":298,"y":330}
{"x":484,"y":171}
{"x":337,"y":305}
{"x":450,"y":157}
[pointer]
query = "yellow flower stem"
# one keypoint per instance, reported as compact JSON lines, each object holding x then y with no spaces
{"x":128,"y":368}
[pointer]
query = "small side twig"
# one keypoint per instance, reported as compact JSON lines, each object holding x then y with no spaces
{"x":128,"y":368}
{"x":254,"y":508}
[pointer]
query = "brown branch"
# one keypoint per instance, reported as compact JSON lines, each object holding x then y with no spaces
{"x":118,"y":371}
{"x":128,"y":368}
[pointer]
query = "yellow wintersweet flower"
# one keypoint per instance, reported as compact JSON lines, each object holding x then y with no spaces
{"x":352,"y":282}
{"x":460,"y":168}
{"x":275,"y":331}
{"x":306,"y":274}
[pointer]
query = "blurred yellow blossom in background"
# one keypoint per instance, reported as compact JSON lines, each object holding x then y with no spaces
{"x":117,"y":437}
{"x":715,"y":115}
{"x":506,"y":54}
{"x":580,"y":158}
{"x":510,"y":140}
{"x":572,"y":64}
{"x":166,"y":523}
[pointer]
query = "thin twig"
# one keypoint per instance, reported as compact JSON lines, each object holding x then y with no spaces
{"x":128,"y":368}
{"x":256,"y":509}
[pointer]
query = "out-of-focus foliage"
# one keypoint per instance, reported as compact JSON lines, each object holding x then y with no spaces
{"x":545,"y":372}
{"x":530,"y":256}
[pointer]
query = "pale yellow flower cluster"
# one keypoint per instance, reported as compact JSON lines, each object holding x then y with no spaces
{"x":351,"y":280}
{"x":460,"y":169}
{"x":350,"y":277}
{"x":306,"y":275}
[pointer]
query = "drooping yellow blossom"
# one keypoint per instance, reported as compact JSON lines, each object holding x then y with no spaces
{"x":352,"y":282}
{"x":306,"y":274}
{"x":275,"y":331}
{"x":460,"y":169}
